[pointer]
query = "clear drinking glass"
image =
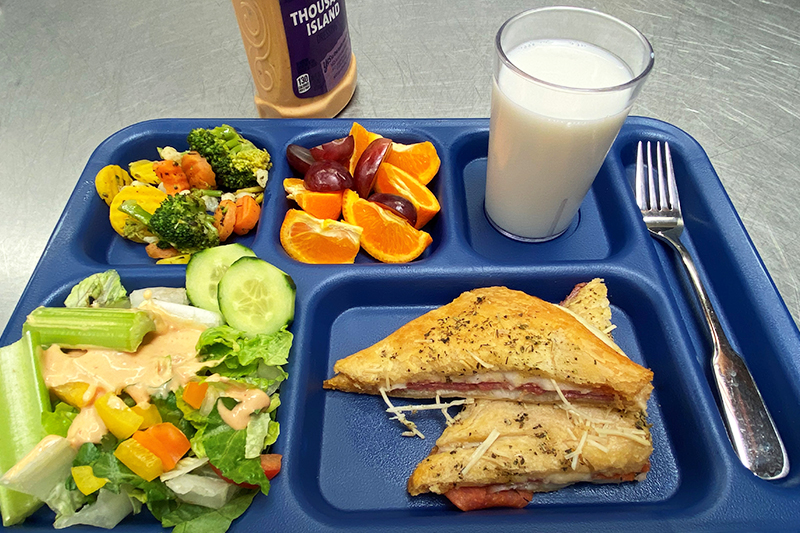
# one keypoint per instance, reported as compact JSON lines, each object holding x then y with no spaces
{"x":565,"y":79}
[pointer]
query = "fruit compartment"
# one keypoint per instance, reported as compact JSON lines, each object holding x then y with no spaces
{"x":321,"y":132}
{"x":354,"y":459}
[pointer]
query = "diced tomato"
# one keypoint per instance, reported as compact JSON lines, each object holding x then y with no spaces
{"x":271,"y":463}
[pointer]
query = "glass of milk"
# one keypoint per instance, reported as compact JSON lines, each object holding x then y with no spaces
{"x":564,"y":81}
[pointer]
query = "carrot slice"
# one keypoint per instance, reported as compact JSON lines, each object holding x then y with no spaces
{"x":198,"y":171}
{"x":247,"y":214}
{"x":225,"y":218}
{"x":172,"y":176}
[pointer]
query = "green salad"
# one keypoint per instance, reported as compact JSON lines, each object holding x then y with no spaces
{"x":160,"y":398}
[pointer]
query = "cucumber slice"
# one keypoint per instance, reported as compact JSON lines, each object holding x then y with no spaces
{"x":256,"y":297}
{"x":206,"y":268}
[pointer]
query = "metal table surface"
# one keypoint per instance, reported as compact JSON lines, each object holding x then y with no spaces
{"x":72,"y":73}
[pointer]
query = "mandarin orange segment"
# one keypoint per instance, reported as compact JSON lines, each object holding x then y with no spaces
{"x":319,"y":241}
{"x":317,"y":204}
{"x":386,"y":236}
{"x":418,"y":159}
{"x":361,"y":138}
{"x":393,"y":180}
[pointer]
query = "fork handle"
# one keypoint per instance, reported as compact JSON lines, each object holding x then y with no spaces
{"x":752,"y":431}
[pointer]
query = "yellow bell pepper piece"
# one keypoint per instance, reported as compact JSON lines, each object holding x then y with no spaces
{"x":149,"y":199}
{"x":149,"y":413}
{"x":73,"y":393}
{"x":120,"y":419}
{"x":142,"y":170}
{"x":86,"y":481}
{"x":181,"y":259}
{"x":139,"y":459}
{"x":110,"y":180}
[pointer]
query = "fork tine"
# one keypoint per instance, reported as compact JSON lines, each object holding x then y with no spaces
{"x":663,"y":202}
{"x":651,"y":185}
{"x":674,"y":199}
{"x":640,"y":186}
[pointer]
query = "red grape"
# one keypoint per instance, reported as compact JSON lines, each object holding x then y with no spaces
{"x":328,"y":176}
{"x":396,"y":204}
{"x":338,"y":150}
{"x":299,"y":158}
{"x":366,"y":170}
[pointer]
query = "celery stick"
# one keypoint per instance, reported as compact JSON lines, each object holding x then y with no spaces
{"x":23,"y":398}
{"x":90,"y":327}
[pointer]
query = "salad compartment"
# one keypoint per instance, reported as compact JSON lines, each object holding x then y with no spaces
{"x":345,"y":462}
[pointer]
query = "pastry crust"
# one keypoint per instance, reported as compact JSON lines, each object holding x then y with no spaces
{"x":538,"y":447}
{"x":590,"y":301}
{"x":504,"y":336}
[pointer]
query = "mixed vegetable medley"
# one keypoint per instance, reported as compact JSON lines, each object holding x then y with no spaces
{"x":163,"y":398}
{"x":188,"y":201}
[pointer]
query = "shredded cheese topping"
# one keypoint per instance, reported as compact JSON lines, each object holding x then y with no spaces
{"x":599,"y":427}
{"x":400,"y":417}
{"x":398,"y":410}
{"x":575,"y":455}
{"x":480,"y":451}
{"x":479,"y":360}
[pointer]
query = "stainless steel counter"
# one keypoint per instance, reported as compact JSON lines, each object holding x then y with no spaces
{"x":72,"y":73}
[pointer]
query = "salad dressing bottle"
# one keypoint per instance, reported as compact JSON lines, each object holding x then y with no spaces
{"x":300,"y":56}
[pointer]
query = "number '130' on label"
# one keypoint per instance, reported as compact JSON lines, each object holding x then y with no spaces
{"x":319,"y":44}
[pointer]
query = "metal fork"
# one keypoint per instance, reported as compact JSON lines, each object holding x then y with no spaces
{"x":750,"y":427}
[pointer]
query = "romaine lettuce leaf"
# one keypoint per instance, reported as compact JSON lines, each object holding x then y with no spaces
{"x":262,"y":431}
{"x":237,"y":351}
{"x":104,"y":464}
{"x":225,"y":448}
{"x":103,"y":289}
{"x":252,"y":361}
{"x":58,"y":422}
{"x":170,"y":410}
{"x":188,"y":518}
{"x":108,"y":511}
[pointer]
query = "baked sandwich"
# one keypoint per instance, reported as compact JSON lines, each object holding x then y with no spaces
{"x":498,"y":343}
{"x":498,"y":452}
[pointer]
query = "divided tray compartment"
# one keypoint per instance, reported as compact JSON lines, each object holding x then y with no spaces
{"x":346,"y":464}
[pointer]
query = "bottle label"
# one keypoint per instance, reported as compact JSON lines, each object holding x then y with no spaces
{"x":319,"y":44}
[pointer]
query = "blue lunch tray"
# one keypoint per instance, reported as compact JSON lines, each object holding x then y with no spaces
{"x":345,"y":464}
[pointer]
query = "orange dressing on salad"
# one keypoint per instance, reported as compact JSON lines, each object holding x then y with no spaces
{"x":250,"y":401}
{"x":87,"y":427}
{"x":167,"y":356}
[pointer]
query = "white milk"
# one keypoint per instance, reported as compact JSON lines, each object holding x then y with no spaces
{"x":547,"y":144}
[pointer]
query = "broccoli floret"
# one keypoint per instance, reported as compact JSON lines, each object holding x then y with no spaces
{"x":234,"y":160}
{"x":181,"y":221}
{"x":136,"y":231}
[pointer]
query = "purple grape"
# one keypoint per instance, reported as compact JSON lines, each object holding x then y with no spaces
{"x":337,"y":150}
{"x":396,"y":204}
{"x":328,"y":176}
{"x":299,"y":157}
